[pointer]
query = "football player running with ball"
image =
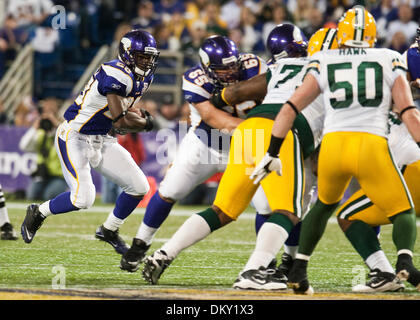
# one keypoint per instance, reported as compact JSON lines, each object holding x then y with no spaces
{"x":354,"y":142}
{"x":204,"y":150}
{"x":82,"y":141}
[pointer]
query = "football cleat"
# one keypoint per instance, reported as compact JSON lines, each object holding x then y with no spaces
{"x":154,"y":266}
{"x":130,"y":261}
{"x":298,"y":278}
{"x":31,"y":224}
{"x":407,"y":272}
{"x":112,"y":238}
{"x":286,"y":263}
{"x":7,"y":232}
{"x":380,"y":282}
{"x":262,"y":279}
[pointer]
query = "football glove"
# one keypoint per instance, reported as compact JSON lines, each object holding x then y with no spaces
{"x":217,"y":100}
{"x":264,"y":167}
{"x":149,"y":119}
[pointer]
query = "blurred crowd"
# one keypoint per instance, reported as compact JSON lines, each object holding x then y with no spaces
{"x":66,"y":35}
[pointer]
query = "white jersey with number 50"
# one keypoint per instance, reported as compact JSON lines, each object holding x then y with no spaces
{"x":356,"y":84}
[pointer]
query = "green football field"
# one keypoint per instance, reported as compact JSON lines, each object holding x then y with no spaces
{"x":66,"y":259}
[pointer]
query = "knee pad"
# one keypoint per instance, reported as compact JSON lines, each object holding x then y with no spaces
{"x":139,"y":188}
{"x":85,"y":197}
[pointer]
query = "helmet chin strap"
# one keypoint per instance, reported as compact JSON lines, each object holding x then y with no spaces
{"x":141,"y":72}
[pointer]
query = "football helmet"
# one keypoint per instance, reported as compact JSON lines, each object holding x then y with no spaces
{"x":220,"y":59}
{"x":418,"y":38}
{"x":323,"y":39}
{"x":357,"y":29}
{"x":286,"y":40}
{"x":138,"y":50}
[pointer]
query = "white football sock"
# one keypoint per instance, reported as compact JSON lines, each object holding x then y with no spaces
{"x":112,"y":222}
{"x":4,"y":217}
{"x":194,"y":229}
{"x":146,"y":233}
{"x":270,"y":238}
{"x":44,"y":208}
{"x":291,"y":250}
{"x":378,"y":260}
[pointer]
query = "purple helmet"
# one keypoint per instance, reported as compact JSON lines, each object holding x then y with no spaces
{"x":286,"y":40}
{"x":138,"y":51}
{"x":418,"y":38}
{"x":220,"y":59}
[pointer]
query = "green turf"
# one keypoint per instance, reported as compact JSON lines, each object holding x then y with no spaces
{"x":68,"y":240}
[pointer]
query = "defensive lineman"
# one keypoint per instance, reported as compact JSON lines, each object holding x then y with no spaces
{"x":354,"y":142}
{"x":82,"y":142}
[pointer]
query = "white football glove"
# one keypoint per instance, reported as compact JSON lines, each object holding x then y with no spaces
{"x":264,"y":167}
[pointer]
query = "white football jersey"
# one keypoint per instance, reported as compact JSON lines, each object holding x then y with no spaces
{"x":356,"y":84}
{"x":286,"y":75}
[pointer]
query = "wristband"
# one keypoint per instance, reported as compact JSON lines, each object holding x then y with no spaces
{"x":405,"y":109}
{"x":217,"y":100}
{"x":275,"y":145}
{"x":122,"y":114}
{"x":293,"y":107}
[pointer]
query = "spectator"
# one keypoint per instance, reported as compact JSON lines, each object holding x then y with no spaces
{"x":279,"y":15}
{"x":236,"y":35}
{"x":231,"y":11}
{"x":166,"y":8}
{"x":47,"y":180}
{"x":195,"y":10}
{"x":399,"y":42}
{"x":403,"y":24}
{"x":146,"y":17}
{"x":190,"y":49}
{"x":215,"y":25}
{"x":26,"y":15}
{"x":179,"y":33}
{"x":26,"y":113}
{"x":314,"y":21}
{"x":168,"y":113}
{"x":385,"y":10}
{"x":162,"y":35}
{"x":248,"y":25}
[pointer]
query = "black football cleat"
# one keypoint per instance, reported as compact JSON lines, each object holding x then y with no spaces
{"x":113,"y":238}
{"x":298,"y":278}
{"x":154,"y":266}
{"x":7,"y":232}
{"x":130,"y":261}
{"x":33,"y":221}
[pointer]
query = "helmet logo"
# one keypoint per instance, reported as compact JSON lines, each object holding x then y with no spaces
{"x":297,"y":35}
{"x":204,"y":57}
{"x":126,"y":43}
